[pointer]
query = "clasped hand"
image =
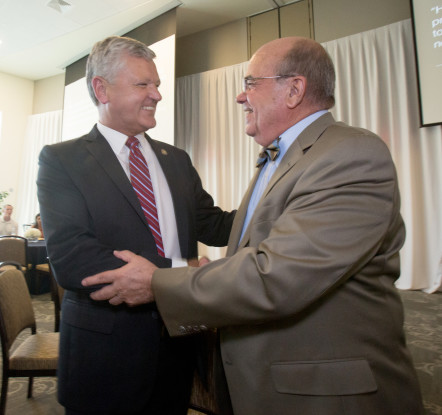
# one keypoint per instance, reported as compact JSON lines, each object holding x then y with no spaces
{"x":130,"y":284}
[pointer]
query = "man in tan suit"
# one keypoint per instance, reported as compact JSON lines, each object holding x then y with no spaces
{"x":309,"y":318}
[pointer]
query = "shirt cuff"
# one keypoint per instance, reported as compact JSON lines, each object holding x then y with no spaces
{"x":179,"y":262}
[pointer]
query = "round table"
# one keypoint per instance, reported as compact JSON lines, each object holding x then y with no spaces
{"x":37,"y":253}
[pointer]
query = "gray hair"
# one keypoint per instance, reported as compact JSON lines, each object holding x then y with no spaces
{"x":105,"y":58}
{"x":308,"y":58}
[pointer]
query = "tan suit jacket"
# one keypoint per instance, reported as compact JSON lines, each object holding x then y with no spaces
{"x":309,"y":316}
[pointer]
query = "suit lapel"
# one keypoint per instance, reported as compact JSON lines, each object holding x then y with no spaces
{"x":294,"y":153}
{"x":171,"y":172}
{"x":102,"y":152}
{"x":240,"y":216}
{"x":164,"y":158}
{"x":303,"y":142}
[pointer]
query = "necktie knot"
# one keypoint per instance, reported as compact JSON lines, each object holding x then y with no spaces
{"x":132,"y":141}
{"x":269,"y":153}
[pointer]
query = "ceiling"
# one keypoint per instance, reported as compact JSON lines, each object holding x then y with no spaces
{"x":39,"y":38}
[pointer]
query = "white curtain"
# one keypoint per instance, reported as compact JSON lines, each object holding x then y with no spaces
{"x":210,"y":127}
{"x":376,"y":89}
{"x":42,"y":129}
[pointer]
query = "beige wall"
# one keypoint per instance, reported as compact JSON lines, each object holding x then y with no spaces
{"x":339,"y":18}
{"x":262,"y":28}
{"x":16,"y":97}
{"x":292,"y":20}
{"x":48,"y":94}
{"x":222,"y":46}
{"x":19,"y":99}
{"x":332,"y":19}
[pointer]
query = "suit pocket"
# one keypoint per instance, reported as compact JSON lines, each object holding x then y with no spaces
{"x":88,"y":317}
{"x":324,"y":378}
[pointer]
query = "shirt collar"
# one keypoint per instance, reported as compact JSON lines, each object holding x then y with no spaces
{"x":116,"y":139}
{"x":289,"y":136}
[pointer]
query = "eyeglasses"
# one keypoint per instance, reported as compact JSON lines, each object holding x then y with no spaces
{"x":250,"y":81}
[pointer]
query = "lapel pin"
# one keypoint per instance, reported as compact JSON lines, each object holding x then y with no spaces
{"x":163,"y":152}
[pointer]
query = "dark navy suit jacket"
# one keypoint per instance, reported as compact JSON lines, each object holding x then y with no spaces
{"x":89,"y":209}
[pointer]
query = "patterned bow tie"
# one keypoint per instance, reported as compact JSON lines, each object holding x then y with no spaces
{"x":271,"y":152}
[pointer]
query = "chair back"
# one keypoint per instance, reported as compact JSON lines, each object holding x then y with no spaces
{"x":16,"y":311}
{"x":5,"y":265}
{"x":14,"y":248}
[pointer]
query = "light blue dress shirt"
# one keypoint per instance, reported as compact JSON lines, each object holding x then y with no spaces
{"x":288,"y":137}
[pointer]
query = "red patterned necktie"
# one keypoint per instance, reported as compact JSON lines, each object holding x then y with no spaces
{"x":140,"y":179}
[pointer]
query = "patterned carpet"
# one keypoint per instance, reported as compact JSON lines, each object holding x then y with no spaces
{"x":423,"y":325}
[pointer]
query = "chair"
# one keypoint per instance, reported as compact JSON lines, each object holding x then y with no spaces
{"x":37,"y":355}
{"x":15,"y":248}
{"x":5,"y":265}
{"x":57,"y":292}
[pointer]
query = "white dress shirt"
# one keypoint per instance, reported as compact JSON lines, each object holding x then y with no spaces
{"x":163,"y":197}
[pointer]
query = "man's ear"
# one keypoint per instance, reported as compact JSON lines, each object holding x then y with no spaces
{"x":99,"y":85}
{"x":298,"y":85}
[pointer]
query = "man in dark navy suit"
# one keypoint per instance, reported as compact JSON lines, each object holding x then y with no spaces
{"x":120,"y":360}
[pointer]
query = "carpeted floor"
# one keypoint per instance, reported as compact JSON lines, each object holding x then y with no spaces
{"x":423,"y":325}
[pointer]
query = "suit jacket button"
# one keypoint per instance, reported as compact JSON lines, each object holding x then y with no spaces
{"x":182,"y":329}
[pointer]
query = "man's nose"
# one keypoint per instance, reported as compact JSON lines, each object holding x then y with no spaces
{"x":155,"y":94}
{"x":241,"y":98}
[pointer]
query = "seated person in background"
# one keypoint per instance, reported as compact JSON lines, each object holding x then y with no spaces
{"x":37,"y":224}
{"x":8,"y":226}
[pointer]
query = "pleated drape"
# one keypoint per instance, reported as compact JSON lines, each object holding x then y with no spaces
{"x":42,"y":129}
{"x":210,"y":127}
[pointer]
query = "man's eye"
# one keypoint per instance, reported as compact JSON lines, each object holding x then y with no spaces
{"x":147,"y":84}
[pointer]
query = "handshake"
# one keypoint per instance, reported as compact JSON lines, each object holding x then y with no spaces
{"x":131,"y":283}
